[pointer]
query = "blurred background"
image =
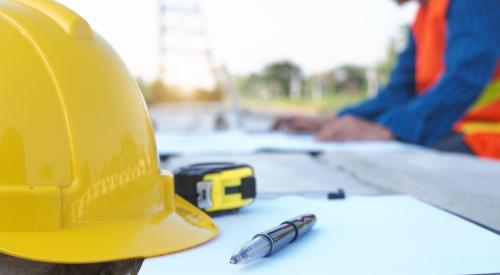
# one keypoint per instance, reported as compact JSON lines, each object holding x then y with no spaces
{"x":231,"y":62}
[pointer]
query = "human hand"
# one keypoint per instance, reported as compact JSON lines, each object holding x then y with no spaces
{"x":301,"y":123}
{"x":352,"y":128}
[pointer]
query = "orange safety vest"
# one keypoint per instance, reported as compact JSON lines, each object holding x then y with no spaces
{"x":481,"y":123}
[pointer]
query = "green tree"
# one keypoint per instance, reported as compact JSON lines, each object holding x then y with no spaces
{"x":216,"y":94}
{"x":350,"y":78}
{"x":163,"y":93}
{"x":279,"y":77}
{"x":252,"y":85}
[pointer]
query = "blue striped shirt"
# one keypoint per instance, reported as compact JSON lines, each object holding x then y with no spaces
{"x":473,"y":48}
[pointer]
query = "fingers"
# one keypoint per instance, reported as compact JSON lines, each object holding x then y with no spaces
{"x":340,"y":129}
{"x":355,"y":129}
{"x":301,"y":124}
{"x":284,"y":122}
{"x":297,"y":123}
{"x":331,"y":131}
{"x":279,"y":123}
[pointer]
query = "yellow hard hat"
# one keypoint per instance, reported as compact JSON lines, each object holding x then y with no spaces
{"x":79,"y":176}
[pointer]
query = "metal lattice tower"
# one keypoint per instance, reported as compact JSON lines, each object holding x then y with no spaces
{"x":185,"y":57}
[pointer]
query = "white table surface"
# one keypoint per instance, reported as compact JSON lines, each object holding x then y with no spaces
{"x":359,"y":235}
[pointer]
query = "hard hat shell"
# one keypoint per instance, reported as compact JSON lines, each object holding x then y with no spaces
{"x":79,"y":175}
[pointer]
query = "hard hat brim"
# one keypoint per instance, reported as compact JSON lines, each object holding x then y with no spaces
{"x":143,"y":237}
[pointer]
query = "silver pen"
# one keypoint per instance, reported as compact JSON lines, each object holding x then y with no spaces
{"x":268,"y":242}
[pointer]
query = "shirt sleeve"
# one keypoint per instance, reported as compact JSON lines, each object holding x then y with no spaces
{"x":399,"y":90}
{"x":473,"y":46}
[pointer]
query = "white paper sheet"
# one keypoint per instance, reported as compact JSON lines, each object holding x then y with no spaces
{"x":377,"y":235}
{"x":237,"y":142}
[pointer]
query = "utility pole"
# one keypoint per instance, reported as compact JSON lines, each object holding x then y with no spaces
{"x":185,"y":55}
{"x":185,"y":58}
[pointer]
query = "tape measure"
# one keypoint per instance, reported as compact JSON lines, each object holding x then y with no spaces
{"x":216,"y":187}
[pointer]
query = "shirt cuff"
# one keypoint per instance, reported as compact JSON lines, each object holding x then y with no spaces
{"x":405,"y":125}
{"x":347,"y":112}
{"x":357,"y":111}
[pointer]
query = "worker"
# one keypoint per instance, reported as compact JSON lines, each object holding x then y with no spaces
{"x":81,"y":191}
{"x":444,"y":91}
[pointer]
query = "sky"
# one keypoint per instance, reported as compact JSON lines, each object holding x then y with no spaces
{"x":245,"y":35}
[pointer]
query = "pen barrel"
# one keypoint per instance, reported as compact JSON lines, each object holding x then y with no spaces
{"x":288,"y":231}
{"x":279,"y":236}
{"x":302,"y":224}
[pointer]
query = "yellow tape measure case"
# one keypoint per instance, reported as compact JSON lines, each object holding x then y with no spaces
{"x":216,"y":187}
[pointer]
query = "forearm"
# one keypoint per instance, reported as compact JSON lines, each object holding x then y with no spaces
{"x":399,"y":90}
{"x":373,"y":108}
{"x":427,"y":118}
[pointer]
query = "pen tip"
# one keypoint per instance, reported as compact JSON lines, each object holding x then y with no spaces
{"x":234,"y":259}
